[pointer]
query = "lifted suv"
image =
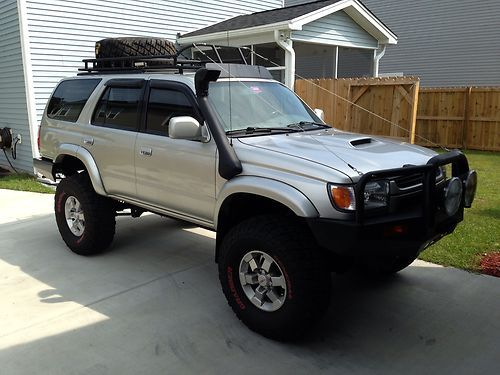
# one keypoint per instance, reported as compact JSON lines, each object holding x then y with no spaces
{"x":291,"y":199}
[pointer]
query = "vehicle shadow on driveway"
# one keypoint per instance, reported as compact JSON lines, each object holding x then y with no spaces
{"x":153,"y":304}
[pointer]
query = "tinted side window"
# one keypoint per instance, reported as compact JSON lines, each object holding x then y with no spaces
{"x":163,"y":105}
{"x":69,"y":99}
{"x":118,"y":108}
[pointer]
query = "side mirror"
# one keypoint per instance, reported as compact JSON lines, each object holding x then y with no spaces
{"x":320,"y":113}
{"x":185,"y":127}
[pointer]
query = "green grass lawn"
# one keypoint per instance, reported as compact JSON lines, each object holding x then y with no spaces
{"x":479,"y":233}
{"x":23,"y":182}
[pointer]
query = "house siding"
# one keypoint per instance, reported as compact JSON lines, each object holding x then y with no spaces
{"x":445,"y":43}
{"x":63,"y":32}
{"x":13,"y":105}
{"x":60,"y":33}
{"x":336,"y":29}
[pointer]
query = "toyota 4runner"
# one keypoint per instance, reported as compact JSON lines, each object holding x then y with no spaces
{"x":228,"y":148}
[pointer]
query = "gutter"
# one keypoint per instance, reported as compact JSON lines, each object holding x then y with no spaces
{"x":378,"y":54}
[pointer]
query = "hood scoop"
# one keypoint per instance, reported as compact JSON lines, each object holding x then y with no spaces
{"x":361,"y":141}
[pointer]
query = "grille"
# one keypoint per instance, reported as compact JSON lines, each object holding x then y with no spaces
{"x":404,"y":182}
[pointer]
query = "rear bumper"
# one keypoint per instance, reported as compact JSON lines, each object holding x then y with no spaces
{"x":44,"y":167}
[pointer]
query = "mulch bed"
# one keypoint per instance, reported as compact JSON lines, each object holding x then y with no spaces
{"x":490,"y":264}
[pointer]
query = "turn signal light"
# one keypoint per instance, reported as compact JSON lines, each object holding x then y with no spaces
{"x":343,"y":197}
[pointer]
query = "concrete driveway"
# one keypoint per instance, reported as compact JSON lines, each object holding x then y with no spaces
{"x":153,"y":305}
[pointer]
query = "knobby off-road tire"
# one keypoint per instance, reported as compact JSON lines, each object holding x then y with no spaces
{"x":85,"y":219}
{"x":300,"y":281}
{"x":132,"y":47}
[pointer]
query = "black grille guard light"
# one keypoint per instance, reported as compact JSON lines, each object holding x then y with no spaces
{"x":460,"y":168}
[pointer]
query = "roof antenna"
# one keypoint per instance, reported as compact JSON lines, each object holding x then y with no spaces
{"x":230,"y":107}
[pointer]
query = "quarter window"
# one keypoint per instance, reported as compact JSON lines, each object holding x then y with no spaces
{"x":163,"y":105}
{"x":69,"y":98}
{"x":118,"y":108}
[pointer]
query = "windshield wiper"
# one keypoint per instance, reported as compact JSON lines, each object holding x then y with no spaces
{"x":308,"y":125}
{"x":253,"y":130}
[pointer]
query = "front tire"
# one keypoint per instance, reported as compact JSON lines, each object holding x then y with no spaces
{"x":85,"y":219}
{"x":274,"y":277}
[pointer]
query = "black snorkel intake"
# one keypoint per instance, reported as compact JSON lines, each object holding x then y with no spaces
{"x":229,"y":164}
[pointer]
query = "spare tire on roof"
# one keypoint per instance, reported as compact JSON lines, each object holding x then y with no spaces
{"x":124,"y":47}
{"x":132,"y":47}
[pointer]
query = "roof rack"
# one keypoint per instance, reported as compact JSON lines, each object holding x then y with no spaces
{"x":171,"y":63}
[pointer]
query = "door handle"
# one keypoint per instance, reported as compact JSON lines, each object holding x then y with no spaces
{"x":88,"y":141}
{"x":145,"y":151}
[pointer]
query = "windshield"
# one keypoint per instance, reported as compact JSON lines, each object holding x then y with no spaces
{"x":257,"y":104}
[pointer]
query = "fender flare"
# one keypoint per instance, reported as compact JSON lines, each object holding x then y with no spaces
{"x":86,"y":158}
{"x":267,"y":188}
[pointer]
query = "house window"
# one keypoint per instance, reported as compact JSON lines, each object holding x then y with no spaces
{"x":355,"y":62}
{"x":69,"y":98}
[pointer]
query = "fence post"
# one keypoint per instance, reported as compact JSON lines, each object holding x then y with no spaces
{"x":465,"y":126}
{"x":414,"y":107}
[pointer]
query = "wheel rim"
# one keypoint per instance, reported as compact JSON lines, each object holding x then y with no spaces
{"x":263,"y":280}
{"x":74,"y":216}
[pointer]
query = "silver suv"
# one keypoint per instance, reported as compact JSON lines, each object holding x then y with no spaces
{"x":230,"y":149}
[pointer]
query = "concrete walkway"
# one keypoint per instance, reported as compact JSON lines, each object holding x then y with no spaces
{"x":153,"y":305}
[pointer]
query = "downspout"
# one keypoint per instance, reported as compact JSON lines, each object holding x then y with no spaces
{"x":378,"y":54}
{"x":283,"y":40}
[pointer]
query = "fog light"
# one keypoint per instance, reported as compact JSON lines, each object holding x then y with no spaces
{"x":470,"y":188}
{"x":453,"y":196}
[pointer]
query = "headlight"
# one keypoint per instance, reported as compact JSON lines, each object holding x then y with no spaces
{"x":470,"y":188}
{"x":376,"y":194}
{"x":453,"y":196}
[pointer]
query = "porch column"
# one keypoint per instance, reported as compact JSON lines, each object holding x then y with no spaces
{"x":283,"y":40}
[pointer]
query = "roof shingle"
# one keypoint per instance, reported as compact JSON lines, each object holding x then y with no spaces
{"x":263,"y":18}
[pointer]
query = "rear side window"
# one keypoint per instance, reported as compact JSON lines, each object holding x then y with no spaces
{"x":69,"y":98}
{"x":118,"y":108}
{"x":163,"y":105}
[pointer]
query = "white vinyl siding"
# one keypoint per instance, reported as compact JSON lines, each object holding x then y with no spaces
{"x":13,"y":106}
{"x":445,"y":43}
{"x":336,"y":29}
{"x":63,"y":32}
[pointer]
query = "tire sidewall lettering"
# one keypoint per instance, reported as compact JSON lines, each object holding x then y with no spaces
{"x":232,"y":288}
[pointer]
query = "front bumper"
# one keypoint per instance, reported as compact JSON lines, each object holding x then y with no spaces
{"x":406,"y":228}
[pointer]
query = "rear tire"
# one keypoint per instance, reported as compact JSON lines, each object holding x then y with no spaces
{"x":287,"y":299}
{"x":85,"y":219}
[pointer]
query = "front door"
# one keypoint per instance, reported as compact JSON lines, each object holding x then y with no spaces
{"x":174,"y":174}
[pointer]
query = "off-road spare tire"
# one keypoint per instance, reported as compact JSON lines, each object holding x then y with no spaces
{"x":134,"y":46}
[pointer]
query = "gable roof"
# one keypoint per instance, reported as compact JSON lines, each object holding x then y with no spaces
{"x":263,"y":18}
{"x":294,"y":17}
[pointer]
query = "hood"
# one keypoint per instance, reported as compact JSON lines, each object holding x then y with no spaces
{"x":346,"y":152}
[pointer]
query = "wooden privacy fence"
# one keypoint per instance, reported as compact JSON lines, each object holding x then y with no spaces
{"x":394,"y":99}
{"x":463,"y":117}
